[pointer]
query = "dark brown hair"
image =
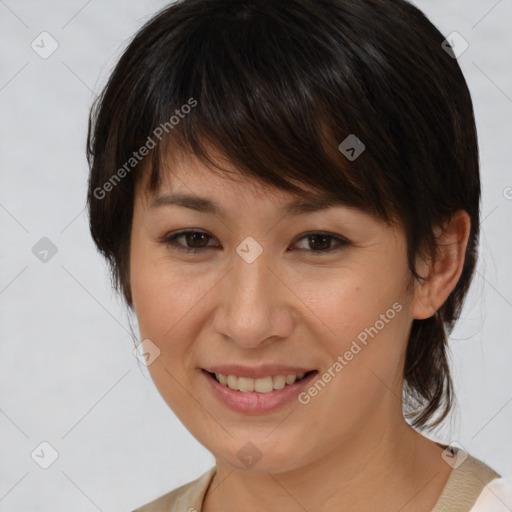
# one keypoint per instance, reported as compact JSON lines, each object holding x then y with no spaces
{"x":277,"y":86}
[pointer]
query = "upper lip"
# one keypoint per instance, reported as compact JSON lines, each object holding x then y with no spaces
{"x":271,"y":370}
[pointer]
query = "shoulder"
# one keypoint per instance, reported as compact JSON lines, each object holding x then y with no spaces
{"x":187,"y":498}
{"x":467,"y":480}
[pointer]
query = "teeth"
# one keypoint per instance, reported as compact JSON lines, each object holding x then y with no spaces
{"x":245,"y":384}
{"x":265,"y":385}
{"x":262,"y":385}
{"x":279,"y":381}
{"x":232,"y":382}
{"x":290,"y":379}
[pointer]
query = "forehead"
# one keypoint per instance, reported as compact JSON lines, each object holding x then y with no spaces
{"x":195,"y":186}
{"x":186,"y":180}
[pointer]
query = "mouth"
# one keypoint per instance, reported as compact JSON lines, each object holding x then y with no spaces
{"x":257,"y":395}
{"x":261,"y":385}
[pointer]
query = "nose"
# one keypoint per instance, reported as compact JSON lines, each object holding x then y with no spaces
{"x":255,"y":306}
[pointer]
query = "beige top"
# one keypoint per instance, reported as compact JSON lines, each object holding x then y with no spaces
{"x":465,"y":483}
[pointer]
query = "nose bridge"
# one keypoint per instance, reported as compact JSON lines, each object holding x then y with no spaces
{"x":250,"y":275}
{"x":249,"y":287}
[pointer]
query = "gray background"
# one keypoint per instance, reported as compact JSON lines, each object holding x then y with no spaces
{"x":67,"y":371}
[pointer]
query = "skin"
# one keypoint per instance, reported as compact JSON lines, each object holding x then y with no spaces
{"x":349,"y":448}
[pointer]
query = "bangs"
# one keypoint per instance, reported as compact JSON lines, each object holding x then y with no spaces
{"x":236,"y":81}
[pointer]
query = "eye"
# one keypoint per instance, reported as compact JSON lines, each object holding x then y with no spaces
{"x":195,"y":238}
{"x":322,"y":242}
{"x":197,"y":241}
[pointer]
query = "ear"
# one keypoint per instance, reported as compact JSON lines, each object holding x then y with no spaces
{"x":443,"y":271}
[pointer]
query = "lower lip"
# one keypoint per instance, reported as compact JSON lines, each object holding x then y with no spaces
{"x":253,"y":402}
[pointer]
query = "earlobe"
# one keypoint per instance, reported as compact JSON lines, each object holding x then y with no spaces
{"x":442,"y":273}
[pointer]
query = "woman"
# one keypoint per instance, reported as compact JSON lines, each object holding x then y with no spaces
{"x":288,"y":195}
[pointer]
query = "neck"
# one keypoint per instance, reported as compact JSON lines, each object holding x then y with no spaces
{"x":380,"y":469}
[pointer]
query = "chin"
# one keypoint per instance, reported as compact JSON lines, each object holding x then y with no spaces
{"x":261,"y":456}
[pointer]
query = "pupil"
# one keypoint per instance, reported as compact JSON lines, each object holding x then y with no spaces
{"x":324,"y":238}
{"x":193,"y":238}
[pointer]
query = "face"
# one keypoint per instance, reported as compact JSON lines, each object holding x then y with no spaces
{"x":320,"y":297}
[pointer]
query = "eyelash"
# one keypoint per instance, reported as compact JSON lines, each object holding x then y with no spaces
{"x":170,"y":241}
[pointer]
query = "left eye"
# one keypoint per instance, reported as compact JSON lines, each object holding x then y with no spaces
{"x":197,"y":241}
{"x":322,"y":242}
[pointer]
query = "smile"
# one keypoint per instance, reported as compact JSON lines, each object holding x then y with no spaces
{"x":257,"y":395}
{"x":261,"y":385}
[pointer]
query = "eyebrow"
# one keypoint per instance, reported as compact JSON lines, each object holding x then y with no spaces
{"x":204,"y":205}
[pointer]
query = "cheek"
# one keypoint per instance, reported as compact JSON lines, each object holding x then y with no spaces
{"x":165,"y":302}
{"x":163,"y":294}
{"x":350,"y":303}
{"x":368,"y":318}
{"x":161,"y":300}
{"x":368,"y":331}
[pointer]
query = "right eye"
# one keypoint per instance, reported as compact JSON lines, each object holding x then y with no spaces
{"x":189,"y":237}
